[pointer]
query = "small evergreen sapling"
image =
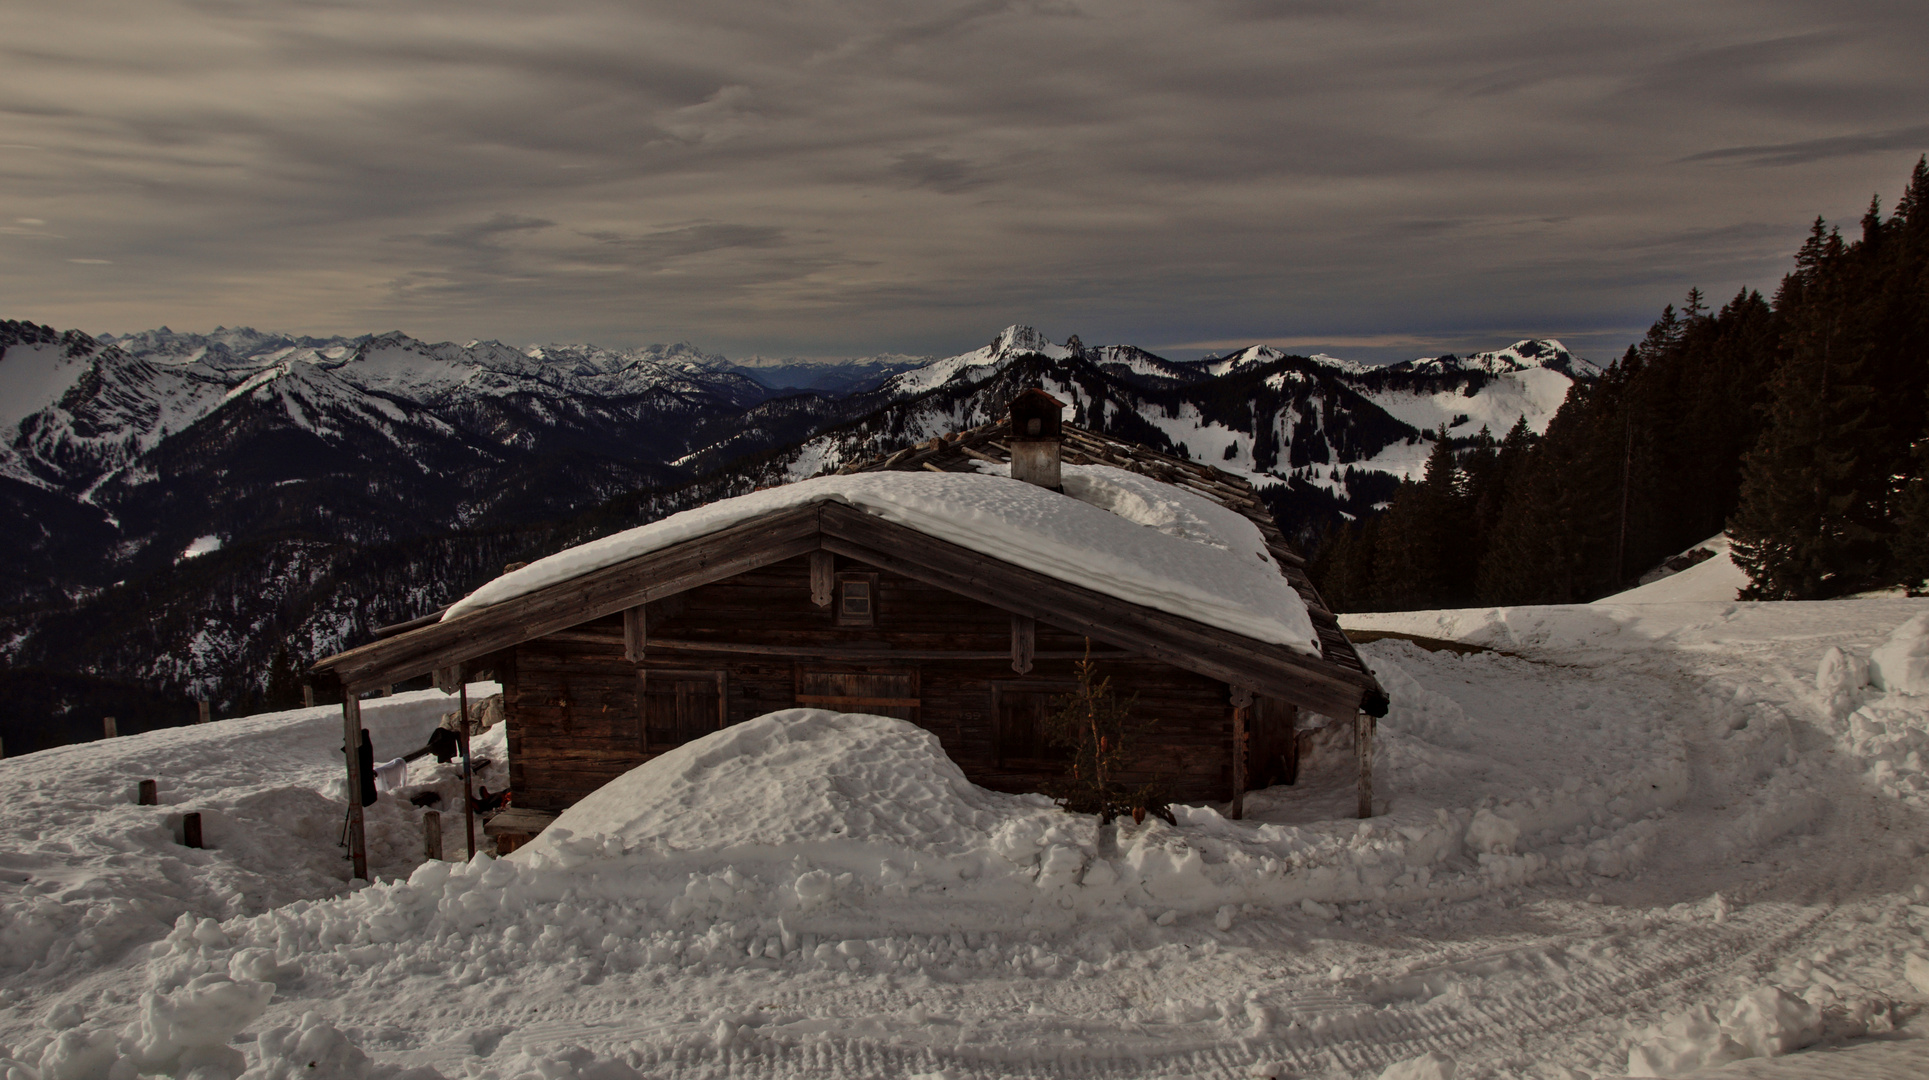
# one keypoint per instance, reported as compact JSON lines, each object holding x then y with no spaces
{"x":1097,"y":727}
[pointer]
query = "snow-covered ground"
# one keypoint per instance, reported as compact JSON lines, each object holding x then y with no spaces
{"x":1616,"y":837}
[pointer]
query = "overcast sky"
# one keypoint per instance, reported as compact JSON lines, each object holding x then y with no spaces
{"x":1376,"y":179}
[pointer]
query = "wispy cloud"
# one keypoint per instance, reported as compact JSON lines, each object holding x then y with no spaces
{"x":1810,"y":150}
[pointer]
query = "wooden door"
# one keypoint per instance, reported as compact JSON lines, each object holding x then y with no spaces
{"x":1272,"y":746}
{"x":678,"y":706}
{"x":881,"y":693}
{"x":1018,"y":737}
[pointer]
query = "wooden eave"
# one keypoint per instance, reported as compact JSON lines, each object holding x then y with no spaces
{"x":1265,"y":668}
{"x":742,"y":547}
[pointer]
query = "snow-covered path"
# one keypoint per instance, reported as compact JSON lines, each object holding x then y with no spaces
{"x":1616,"y":815}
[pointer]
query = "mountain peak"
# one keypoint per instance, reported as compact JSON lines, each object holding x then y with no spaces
{"x":1017,"y":338}
{"x":1520,"y":356}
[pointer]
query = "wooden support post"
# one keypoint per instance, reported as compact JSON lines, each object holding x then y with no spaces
{"x":432,"y":836}
{"x":108,"y":728}
{"x":1363,"y":741}
{"x":148,"y":794}
{"x":823,"y":577}
{"x":3,"y":748}
{"x":191,"y":830}
{"x":468,"y":771}
{"x":202,"y":713}
{"x":635,"y":634}
{"x":1024,"y":642}
{"x":307,"y":696}
{"x":446,"y":678}
{"x":352,"y":743}
{"x":1242,"y":707}
{"x":389,"y":690}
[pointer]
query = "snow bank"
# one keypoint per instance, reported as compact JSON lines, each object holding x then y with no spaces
{"x":820,"y":840}
{"x":1432,"y":1065}
{"x":1136,"y":539}
{"x":1763,"y":1023}
{"x":800,"y":777}
{"x":1717,"y":578}
{"x":87,"y":874}
{"x":1901,"y":664}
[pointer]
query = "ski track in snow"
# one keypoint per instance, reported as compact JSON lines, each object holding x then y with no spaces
{"x":1707,"y":822}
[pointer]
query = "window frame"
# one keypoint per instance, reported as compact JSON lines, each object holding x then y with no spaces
{"x":842,"y":617}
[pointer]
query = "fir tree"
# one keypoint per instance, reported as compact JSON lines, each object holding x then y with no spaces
{"x":1421,"y":559}
{"x":283,"y":687}
{"x":1097,"y":726}
{"x":1912,"y":520}
{"x":1824,"y":489}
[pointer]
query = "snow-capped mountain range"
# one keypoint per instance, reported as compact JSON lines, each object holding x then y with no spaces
{"x":218,"y":491}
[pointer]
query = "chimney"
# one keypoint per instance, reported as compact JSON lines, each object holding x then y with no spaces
{"x":1037,"y":425}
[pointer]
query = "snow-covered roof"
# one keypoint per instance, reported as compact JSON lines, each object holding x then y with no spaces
{"x":1114,"y":532}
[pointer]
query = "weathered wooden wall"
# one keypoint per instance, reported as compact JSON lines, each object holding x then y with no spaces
{"x":574,"y":702}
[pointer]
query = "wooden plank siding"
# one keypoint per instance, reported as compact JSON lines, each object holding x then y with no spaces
{"x":575,"y":712}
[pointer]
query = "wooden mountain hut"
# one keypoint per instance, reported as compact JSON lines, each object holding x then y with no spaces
{"x":953,"y":584}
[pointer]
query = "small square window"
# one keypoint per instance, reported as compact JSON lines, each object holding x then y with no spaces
{"x":856,"y":599}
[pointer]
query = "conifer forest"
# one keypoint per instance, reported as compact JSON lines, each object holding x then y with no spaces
{"x":1799,"y":424}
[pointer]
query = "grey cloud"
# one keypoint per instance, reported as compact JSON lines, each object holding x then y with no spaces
{"x":693,"y":239}
{"x":1809,"y":150}
{"x":935,"y":171}
{"x":482,"y":234}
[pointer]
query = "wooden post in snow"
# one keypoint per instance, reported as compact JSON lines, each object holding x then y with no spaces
{"x":468,"y":770}
{"x":1242,"y":704}
{"x":1363,"y":742}
{"x":108,"y":728}
{"x":203,"y":713}
{"x":307,"y":696}
{"x":191,"y":830}
{"x":148,"y":794}
{"x":432,"y":835}
{"x":352,"y":743}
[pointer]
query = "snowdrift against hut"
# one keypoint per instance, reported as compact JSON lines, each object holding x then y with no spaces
{"x":1113,"y":532}
{"x":799,"y":777}
{"x":839,"y":817}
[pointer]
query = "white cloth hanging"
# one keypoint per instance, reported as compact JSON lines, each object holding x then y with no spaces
{"x":390,"y":775}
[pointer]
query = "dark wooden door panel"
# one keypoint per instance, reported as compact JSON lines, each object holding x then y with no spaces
{"x":880,"y":693}
{"x":1019,"y":725}
{"x":679,"y":706}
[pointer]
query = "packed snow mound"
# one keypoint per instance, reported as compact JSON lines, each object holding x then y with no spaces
{"x":1901,"y":664}
{"x":1767,"y":1022}
{"x":1197,"y":559}
{"x":794,"y":778}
